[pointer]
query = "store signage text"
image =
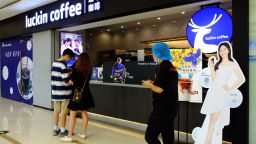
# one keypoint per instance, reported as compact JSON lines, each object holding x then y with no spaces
{"x":65,"y":11}
{"x":208,"y":27}
{"x":6,"y":45}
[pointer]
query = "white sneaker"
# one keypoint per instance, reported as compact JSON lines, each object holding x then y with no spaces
{"x":81,"y":136}
{"x":66,"y":139}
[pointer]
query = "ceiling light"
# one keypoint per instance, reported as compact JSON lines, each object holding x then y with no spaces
{"x":158,"y":18}
{"x":108,"y":30}
{"x":183,"y":12}
{"x":154,"y":25}
{"x":138,"y":23}
{"x":122,"y":27}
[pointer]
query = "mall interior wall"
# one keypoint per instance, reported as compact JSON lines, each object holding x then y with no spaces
{"x":43,"y":43}
{"x":133,"y":38}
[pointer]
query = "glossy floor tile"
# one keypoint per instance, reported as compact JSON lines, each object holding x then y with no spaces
{"x":32,"y":125}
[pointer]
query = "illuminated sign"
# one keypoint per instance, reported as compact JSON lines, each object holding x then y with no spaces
{"x":64,"y":11}
{"x":93,"y":5}
{"x":208,"y":27}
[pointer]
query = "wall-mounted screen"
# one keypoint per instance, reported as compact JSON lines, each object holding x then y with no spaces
{"x":71,"y":41}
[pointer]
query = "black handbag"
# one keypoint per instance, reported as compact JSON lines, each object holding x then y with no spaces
{"x":77,"y":96}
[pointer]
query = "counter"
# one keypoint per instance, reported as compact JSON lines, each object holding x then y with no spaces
{"x":123,"y":101}
{"x":134,"y":103}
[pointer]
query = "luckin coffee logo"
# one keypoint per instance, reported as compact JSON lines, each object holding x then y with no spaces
{"x":201,"y":31}
{"x":38,"y":19}
{"x":65,"y":11}
{"x":208,"y":27}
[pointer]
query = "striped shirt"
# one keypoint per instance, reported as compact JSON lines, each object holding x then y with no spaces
{"x":60,"y":89}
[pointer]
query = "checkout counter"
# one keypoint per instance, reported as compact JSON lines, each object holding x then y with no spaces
{"x":131,"y":104}
{"x":123,"y":101}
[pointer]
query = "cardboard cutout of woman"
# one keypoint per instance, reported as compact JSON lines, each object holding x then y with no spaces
{"x":216,"y":105}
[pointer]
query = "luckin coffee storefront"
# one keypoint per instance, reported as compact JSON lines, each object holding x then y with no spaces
{"x":124,"y":31}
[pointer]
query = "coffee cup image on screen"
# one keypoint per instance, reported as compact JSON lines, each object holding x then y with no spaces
{"x":71,"y":41}
{"x":24,"y":77}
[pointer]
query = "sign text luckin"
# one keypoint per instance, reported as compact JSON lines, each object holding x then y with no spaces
{"x":65,"y":10}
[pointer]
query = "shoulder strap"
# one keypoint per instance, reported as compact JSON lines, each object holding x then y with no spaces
{"x":84,"y":84}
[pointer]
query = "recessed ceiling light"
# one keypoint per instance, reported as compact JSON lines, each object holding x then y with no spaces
{"x":108,"y":30}
{"x":122,"y":27}
{"x":183,"y":12}
{"x":138,"y":23}
{"x":158,"y":18}
{"x":154,"y":25}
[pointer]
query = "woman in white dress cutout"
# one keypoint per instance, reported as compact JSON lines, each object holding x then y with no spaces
{"x":216,"y":104}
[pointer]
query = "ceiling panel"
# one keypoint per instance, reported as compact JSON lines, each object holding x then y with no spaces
{"x":12,"y":8}
{"x":5,"y":3}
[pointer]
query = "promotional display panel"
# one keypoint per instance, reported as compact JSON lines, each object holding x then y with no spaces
{"x":222,"y":95}
{"x":188,"y":63}
{"x":128,"y":72}
{"x":17,"y":69}
{"x":71,"y":41}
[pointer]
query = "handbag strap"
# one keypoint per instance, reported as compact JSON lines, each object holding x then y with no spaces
{"x":84,"y":85}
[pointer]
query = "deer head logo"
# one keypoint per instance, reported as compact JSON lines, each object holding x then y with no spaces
{"x":201,"y":31}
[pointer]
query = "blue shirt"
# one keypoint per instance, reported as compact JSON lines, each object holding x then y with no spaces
{"x":118,"y":67}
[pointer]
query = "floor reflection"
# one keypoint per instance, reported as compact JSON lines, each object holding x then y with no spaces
{"x":32,"y":125}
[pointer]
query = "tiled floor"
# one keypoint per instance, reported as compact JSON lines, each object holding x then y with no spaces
{"x":32,"y":125}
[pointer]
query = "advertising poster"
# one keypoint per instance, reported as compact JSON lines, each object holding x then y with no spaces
{"x":188,"y":63}
{"x":71,"y":41}
{"x":17,"y":68}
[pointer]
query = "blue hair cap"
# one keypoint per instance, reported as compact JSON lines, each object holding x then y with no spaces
{"x":161,"y":51}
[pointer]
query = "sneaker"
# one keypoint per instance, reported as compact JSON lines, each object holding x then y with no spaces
{"x":56,"y":132}
{"x":66,"y":139}
{"x":81,"y":136}
{"x":62,"y":134}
